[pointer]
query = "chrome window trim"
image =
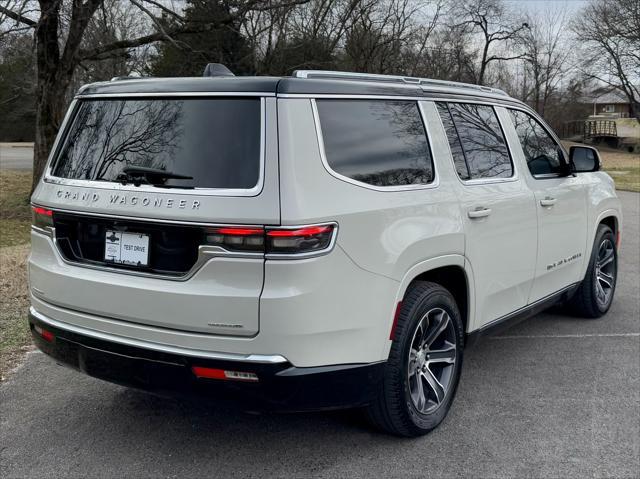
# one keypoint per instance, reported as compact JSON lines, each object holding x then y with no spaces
{"x":480,"y":181}
{"x":497,"y":101}
{"x":174,"y":94}
{"x":249,"y":358}
{"x":337,"y":96}
{"x":323,"y":156}
{"x":114,"y":186}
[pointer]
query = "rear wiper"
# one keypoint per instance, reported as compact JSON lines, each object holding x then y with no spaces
{"x":153,"y":176}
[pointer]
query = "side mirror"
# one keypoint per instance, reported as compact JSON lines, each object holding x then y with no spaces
{"x":584,"y":159}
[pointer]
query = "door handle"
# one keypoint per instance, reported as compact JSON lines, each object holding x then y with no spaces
{"x":548,"y":201}
{"x":479,"y":212}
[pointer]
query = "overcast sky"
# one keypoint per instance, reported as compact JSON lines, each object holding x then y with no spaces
{"x":542,"y":5}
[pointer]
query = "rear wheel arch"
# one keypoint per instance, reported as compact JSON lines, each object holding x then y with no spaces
{"x":453,"y":279}
{"x":611,"y":221}
{"x":451,"y":273}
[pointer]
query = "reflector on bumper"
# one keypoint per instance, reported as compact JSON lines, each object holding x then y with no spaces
{"x":212,"y":373}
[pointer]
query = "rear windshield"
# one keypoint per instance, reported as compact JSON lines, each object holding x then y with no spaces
{"x":214,"y":140}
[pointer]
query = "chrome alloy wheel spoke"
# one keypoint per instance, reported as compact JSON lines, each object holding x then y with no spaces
{"x":432,"y":355}
{"x":605,"y":272}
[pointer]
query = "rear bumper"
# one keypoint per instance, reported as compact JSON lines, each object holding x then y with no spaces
{"x":280,"y":386}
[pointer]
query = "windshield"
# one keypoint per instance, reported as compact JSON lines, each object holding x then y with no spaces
{"x":216,"y":141}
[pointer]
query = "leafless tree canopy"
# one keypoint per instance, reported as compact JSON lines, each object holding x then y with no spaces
{"x":547,"y":58}
{"x":610,"y":34}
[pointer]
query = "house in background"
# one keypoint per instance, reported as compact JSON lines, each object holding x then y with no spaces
{"x":609,"y":122}
{"x":610,"y":104}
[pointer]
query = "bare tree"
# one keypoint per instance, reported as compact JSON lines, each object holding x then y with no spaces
{"x":546,"y":56}
{"x":60,"y":28}
{"x":489,"y":19}
{"x":381,"y":36}
{"x":610,"y":33}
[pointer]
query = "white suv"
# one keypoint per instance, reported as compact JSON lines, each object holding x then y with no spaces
{"x":316,"y":241}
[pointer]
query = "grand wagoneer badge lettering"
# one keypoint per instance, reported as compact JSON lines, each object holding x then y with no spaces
{"x":130,"y":200}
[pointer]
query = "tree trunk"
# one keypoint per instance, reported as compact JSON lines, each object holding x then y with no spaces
{"x":47,"y":124}
{"x":48,"y":95}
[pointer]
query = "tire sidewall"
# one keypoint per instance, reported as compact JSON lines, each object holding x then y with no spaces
{"x":436,"y":299}
{"x":602,"y":234}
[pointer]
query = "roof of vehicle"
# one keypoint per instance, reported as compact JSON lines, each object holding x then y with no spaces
{"x":305,"y":82}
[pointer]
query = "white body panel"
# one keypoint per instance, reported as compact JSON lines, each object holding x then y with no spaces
{"x":337,"y":308}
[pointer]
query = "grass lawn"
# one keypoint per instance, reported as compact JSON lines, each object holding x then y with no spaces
{"x":15,"y":222}
{"x":15,"y":212}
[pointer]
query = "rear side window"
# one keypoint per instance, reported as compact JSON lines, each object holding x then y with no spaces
{"x":454,"y":141}
{"x":214,"y":140}
{"x":477,"y":143}
{"x":544,"y":156}
{"x":379,"y":142}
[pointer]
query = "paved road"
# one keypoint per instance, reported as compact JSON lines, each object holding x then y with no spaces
{"x":16,"y":156}
{"x":554,"y":397}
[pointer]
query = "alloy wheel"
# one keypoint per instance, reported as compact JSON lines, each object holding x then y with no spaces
{"x":432,"y":358}
{"x":605,"y":273}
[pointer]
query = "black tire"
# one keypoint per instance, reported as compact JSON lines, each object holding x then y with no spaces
{"x":588,"y":301}
{"x":395,"y":410}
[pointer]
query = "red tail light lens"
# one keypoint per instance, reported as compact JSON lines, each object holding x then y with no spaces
{"x":42,"y":217}
{"x":238,"y":239}
{"x":299,"y":240}
{"x":48,"y":336}
{"x":307,"y":239}
{"x":222,"y":374}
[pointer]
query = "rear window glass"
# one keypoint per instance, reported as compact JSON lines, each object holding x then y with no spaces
{"x":214,"y":140}
{"x":476,"y":139}
{"x":378,"y":142}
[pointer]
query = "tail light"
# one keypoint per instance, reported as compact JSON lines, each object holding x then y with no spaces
{"x":307,"y":239}
{"x":48,"y":336}
{"x":222,"y":374}
{"x":237,"y":239}
{"x":295,"y":240}
{"x":42,"y":217}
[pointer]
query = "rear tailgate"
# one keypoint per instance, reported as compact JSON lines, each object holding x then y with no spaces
{"x":177,"y":279}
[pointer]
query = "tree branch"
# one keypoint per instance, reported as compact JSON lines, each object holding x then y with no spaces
{"x":98,"y":52}
{"x":18,"y":18}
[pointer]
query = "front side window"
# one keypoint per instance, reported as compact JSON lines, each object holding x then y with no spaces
{"x":544,"y":156}
{"x":216,"y":141}
{"x":477,"y":144}
{"x":377,"y":142}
